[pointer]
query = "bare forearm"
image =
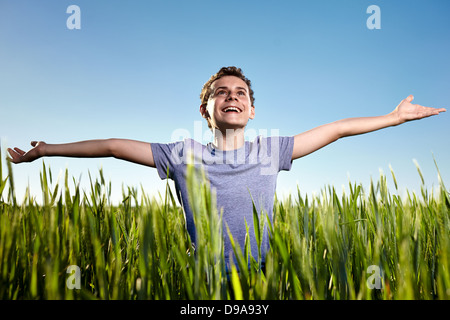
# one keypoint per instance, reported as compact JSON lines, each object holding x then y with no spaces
{"x":124,"y":149}
{"x":129,"y":150}
{"x":355,"y":126}
{"x":81,"y":149}
{"x":316,"y":138}
{"x":405,"y":111}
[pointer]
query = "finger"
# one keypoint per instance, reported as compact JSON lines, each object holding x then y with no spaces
{"x":34,"y":143}
{"x":11,"y":152}
{"x":409,"y":98}
{"x":19,"y":151}
{"x":10,"y":159}
{"x":432,"y":110}
{"x":438,"y":110}
{"x":13,"y":155}
{"x":427,"y":112}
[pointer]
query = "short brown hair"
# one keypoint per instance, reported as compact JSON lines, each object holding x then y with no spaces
{"x":225,"y":71}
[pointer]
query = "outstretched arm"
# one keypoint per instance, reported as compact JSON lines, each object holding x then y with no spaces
{"x":129,"y":150}
{"x":314,"y":139}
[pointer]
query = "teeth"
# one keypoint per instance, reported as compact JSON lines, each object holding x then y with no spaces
{"x":231,"y":109}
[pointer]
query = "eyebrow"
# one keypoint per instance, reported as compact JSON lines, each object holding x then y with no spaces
{"x":242,"y":88}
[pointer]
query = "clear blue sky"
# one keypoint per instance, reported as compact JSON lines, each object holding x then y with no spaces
{"x":135,"y":70}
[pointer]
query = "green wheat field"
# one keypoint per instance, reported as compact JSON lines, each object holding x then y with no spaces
{"x":366,"y":244}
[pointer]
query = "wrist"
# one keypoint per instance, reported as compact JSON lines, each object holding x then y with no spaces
{"x":394,"y":118}
{"x":42,"y":149}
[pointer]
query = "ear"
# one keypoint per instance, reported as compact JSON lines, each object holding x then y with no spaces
{"x":252,"y":113}
{"x":203,"y":111}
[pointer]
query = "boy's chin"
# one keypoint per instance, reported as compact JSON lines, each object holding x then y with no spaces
{"x":231,"y":126}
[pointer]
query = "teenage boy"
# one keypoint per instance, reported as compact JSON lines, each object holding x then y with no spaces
{"x":240,"y":172}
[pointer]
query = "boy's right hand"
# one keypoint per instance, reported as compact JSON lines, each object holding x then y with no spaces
{"x":18,"y":155}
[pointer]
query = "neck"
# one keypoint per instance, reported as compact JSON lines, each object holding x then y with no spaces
{"x":231,"y":139}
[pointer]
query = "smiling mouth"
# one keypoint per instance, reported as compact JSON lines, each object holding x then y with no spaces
{"x":232,"y":109}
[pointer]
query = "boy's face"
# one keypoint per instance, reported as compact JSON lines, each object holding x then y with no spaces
{"x":229,"y":106}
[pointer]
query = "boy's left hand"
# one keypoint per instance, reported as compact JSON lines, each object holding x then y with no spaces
{"x":406,"y":111}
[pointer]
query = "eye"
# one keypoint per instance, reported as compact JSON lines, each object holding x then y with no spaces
{"x":241,"y":93}
{"x":221,"y":92}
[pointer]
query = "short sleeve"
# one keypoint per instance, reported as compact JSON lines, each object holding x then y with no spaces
{"x":286,"y":145}
{"x":167,"y":157}
{"x":275,"y":154}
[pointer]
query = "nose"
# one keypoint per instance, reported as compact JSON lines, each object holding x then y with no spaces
{"x":231,"y":96}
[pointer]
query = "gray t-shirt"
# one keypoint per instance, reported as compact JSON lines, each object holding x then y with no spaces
{"x":236,"y":177}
